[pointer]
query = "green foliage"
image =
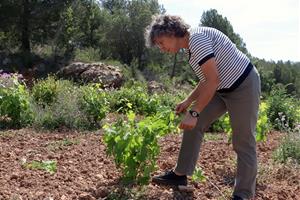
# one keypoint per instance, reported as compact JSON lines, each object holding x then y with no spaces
{"x":133,"y":98}
{"x":45,"y":92}
{"x":289,"y":149}
{"x":212,"y":137}
{"x":272,"y":73}
{"x":15,"y":111}
{"x":87,"y":55}
{"x":74,"y":107}
{"x":134,"y":144}
{"x":263,"y":125}
{"x":47,"y":165}
{"x":222,"y":124}
{"x":198,"y":175}
{"x":64,"y":112}
{"x":62,"y":144}
{"x":281,"y":108}
{"x":128,"y":21}
{"x":169,"y":100}
{"x":93,"y":102}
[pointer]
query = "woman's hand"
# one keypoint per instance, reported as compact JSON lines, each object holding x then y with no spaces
{"x":188,"y":122}
{"x":182,"y":106}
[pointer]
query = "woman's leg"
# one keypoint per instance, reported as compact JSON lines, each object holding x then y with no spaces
{"x":242,"y":105}
{"x":192,"y":139}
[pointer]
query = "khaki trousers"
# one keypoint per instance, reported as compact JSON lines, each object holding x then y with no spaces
{"x":242,"y":106}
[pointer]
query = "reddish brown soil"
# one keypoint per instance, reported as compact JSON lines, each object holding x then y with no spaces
{"x":85,"y":172}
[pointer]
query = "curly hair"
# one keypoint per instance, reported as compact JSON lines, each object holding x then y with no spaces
{"x":165,"y":25}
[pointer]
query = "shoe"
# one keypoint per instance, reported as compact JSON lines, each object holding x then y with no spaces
{"x":170,"y":178}
{"x":234,"y":197}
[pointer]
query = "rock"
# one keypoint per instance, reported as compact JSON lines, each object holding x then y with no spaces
{"x":6,"y":61}
{"x":109,"y":76}
{"x":86,"y":196}
{"x":49,"y":198}
{"x":155,"y":87}
{"x":39,"y":68}
{"x":186,"y":188}
{"x":101,"y":192}
{"x":14,"y":176}
{"x":99,"y":176}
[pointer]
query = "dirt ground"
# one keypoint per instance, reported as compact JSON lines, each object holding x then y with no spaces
{"x":85,"y":172}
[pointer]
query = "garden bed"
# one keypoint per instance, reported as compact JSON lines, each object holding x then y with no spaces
{"x":83,"y":171}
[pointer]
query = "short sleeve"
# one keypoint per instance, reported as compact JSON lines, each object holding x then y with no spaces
{"x":201,"y":49}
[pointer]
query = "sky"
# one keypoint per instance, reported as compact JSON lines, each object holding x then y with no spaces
{"x":270,"y":28}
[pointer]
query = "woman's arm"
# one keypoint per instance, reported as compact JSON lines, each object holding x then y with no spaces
{"x":204,"y":91}
{"x":201,"y":95}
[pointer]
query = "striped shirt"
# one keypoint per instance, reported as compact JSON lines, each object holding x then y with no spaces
{"x":205,"y":43}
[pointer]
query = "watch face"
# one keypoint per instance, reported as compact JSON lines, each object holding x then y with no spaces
{"x":194,"y":114}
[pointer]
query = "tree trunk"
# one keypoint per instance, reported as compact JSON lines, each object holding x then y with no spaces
{"x":25,"y":37}
{"x":174,"y":66}
{"x":25,"y":46}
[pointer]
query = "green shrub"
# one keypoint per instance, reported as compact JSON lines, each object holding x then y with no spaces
{"x":64,"y":112}
{"x":289,"y":149}
{"x":47,"y":165}
{"x":222,"y":124}
{"x":263,"y":125}
{"x":93,"y":102}
{"x":74,"y":107}
{"x":170,"y":100}
{"x":88,"y":55}
{"x":45,"y":92}
{"x":133,"y":98}
{"x":281,"y":108}
{"x":15,"y":110}
{"x":134,"y":144}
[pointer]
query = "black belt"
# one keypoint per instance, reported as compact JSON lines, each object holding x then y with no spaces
{"x":239,"y":81}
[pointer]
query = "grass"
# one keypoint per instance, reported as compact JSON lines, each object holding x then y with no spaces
{"x":212,"y":137}
{"x":61,"y":144}
{"x":47,"y":165}
{"x":7,"y":133}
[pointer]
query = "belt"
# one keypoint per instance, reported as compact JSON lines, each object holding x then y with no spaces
{"x":239,"y":81}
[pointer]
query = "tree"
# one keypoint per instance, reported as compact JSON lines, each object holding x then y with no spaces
{"x":29,"y":22}
{"x":126,"y":35}
{"x":213,"y":19}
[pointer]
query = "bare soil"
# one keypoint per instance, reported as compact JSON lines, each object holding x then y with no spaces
{"x":85,"y":172}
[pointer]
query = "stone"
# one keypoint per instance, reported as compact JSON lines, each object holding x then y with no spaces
{"x":155,"y":87}
{"x":108,"y":76}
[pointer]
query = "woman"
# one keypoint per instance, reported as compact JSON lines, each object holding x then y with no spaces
{"x":227,"y":83}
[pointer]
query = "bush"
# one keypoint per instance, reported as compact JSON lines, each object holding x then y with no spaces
{"x":170,"y":100}
{"x":281,"y":108}
{"x":93,"y":102}
{"x":263,"y":124}
{"x":74,"y":107}
{"x":289,"y":149}
{"x":133,"y":98}
{"x":15,"y":111}
{"x":134,"y":144}
{"x":87,"y":55}
{"x":63,"y":112}
{"x":222,"y":124}
{"x":45,"y":92}
{"x":262,"y":127}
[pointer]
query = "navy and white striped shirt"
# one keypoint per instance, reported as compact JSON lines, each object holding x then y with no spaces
{"x":205,"y":43}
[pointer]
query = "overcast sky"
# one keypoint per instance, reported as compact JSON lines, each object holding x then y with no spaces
{"x":270,"y":28}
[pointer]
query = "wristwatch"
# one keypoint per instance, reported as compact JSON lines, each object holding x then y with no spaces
{"x":194,"y":113}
